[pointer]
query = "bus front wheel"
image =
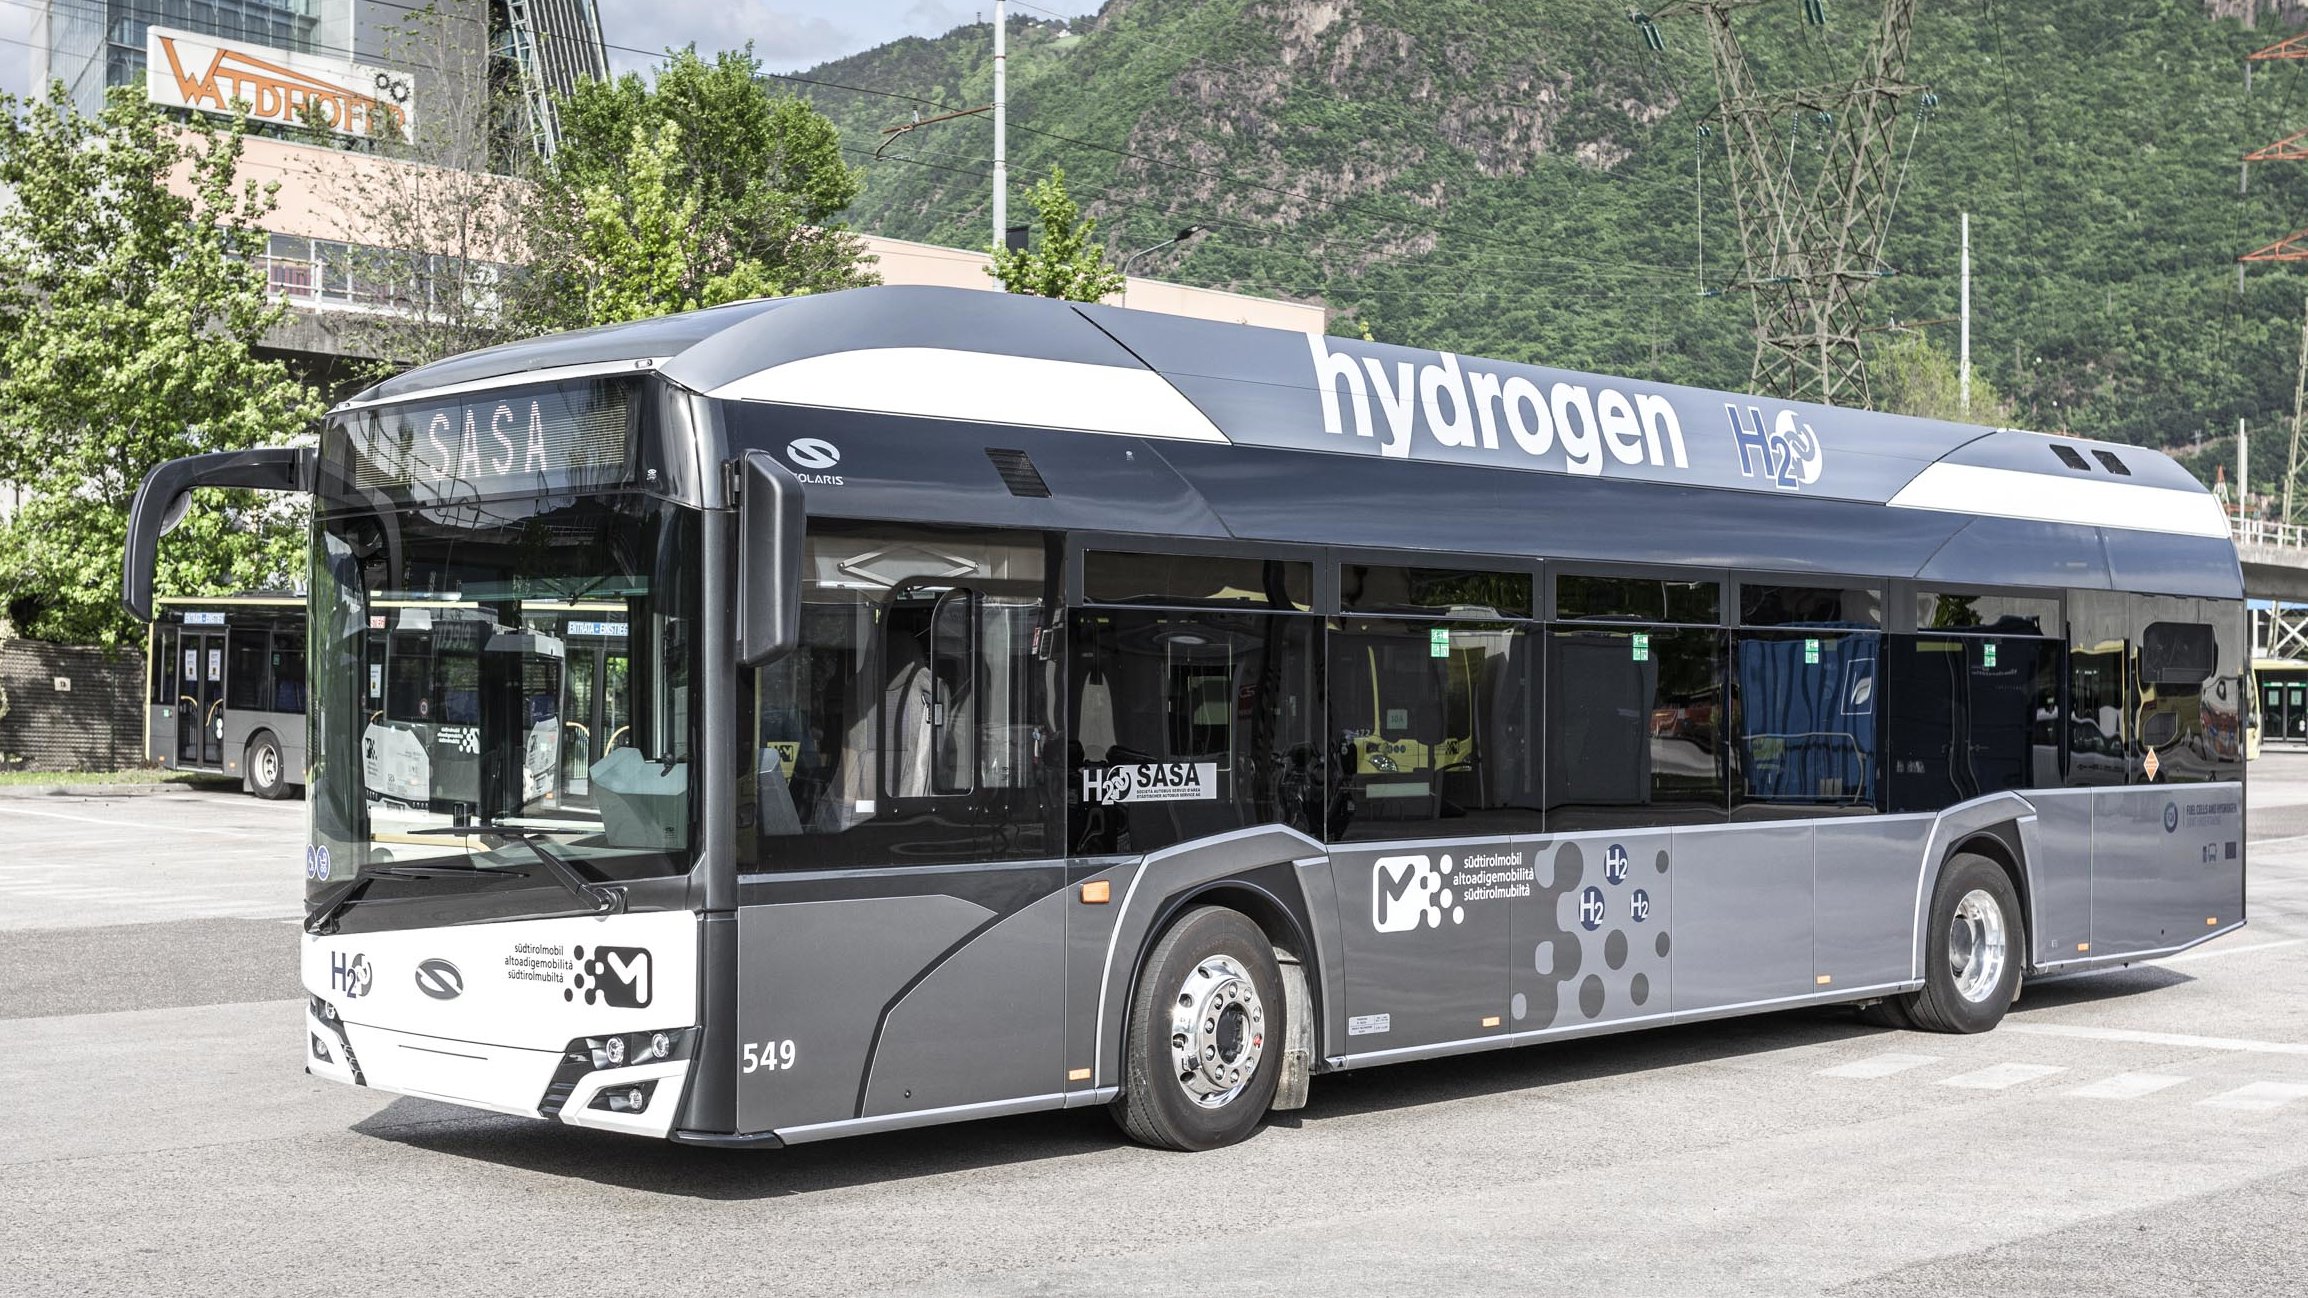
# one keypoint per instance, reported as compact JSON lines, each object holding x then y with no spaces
{"x":1972,"y":951}
{"x":1206,"y":1035}
{"x":267,"y":771}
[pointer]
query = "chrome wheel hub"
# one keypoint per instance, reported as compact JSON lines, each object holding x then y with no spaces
{"x":1217,"y":1032}
{"x":1976,"y":946}
{"x":267,"y":765}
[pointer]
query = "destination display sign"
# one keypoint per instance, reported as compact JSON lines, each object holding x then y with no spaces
{"x":468,"y":446}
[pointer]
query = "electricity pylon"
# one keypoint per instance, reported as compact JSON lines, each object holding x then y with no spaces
{"x":1812,"y":239}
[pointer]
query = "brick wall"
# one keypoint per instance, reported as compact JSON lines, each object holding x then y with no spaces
{"x":97,"y":725}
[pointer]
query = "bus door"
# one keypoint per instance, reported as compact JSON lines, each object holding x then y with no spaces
{"x":594,"y":711}
{"x":200,"y":697}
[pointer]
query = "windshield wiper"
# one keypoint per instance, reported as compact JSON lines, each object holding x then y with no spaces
{"x":601,"y":898}
{"x":322,"y":911}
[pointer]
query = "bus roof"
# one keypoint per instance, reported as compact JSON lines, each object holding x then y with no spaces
{"x":956,"y":365}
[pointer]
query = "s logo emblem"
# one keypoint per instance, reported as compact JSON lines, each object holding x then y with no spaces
{"x":813,"y":452}
{"x":440,"y":980}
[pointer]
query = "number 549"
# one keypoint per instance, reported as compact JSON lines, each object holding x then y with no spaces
{"x":768,"y":1054}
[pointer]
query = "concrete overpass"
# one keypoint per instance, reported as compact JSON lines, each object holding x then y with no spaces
{"x":2275,"y":559}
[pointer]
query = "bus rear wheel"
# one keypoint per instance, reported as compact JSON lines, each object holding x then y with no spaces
{"x":1972,"y":950}
{"x":267,"y":770}
{"x":1206,"y":1035}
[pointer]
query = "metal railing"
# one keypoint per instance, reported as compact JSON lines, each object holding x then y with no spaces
{"x":2266,"y":531}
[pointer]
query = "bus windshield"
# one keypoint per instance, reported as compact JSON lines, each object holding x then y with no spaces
{"x":492,"y":676}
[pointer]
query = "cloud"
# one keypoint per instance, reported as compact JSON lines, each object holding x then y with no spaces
{"x":782,"y":38}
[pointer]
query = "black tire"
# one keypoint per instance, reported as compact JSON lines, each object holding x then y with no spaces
{"x":1156,"y":1106}
{"x":1941,"y":1006}
{"x":267,"y":768}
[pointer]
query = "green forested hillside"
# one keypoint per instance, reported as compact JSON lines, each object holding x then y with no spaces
{"x":1518,"y":180}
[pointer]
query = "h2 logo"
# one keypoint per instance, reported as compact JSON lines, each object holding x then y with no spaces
{"x":1788,"y":456}
{"x":1406,"y":891}
{"x":1592,"y":908}
{"x":1615,"y":863}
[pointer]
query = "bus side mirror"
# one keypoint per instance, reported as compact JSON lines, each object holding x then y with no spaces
{"x":166,"y":493}
{"x":769,"y":539}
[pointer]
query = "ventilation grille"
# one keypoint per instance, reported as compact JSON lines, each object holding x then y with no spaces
{"x":2069,"y":457}
{"x":1018,"y":473}
{"x":2109,"y":462}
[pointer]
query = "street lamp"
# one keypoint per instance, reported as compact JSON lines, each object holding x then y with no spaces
{"x":1180,"y":237}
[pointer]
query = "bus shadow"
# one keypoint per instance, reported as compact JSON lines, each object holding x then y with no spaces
{"x":659,"y":1167}
{"x":2105,"y":985}
{"x":738,"y":1175}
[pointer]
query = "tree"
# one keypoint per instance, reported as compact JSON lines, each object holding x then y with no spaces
{"x":1912,"y":376}
{"x":129,"y":316}
{"x":758,"y":178}
{"x":1069,"y":263}
{"x":440,"y":232}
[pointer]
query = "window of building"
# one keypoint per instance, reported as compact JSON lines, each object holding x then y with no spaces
{"x":1195,"y":580}
{"x":1581,"y":597}
{"x":1635,"y":727}
{"x":1433,"y":730}
{"x":1442,"y":592}
{"x":1804,"y":723}
{"x":1189,"y":723}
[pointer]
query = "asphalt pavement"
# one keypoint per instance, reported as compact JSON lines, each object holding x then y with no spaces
{"x":2137,"y":1132}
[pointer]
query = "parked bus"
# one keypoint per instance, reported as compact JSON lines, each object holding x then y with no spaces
{"x":1026,"y":705}
{"x":2282,"y":688}
{"x":227,"y":691}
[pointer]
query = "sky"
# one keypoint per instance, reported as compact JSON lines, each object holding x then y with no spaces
{"x":786,"y":35}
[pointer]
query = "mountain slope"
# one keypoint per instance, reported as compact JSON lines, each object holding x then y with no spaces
{"x":1528,"y":180}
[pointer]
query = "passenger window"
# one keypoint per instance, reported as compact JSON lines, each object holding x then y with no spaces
{"x":2188,"y":690}
{"x":1634,"y":728}
{"x":1188,"y":724}
{"x":1583,"y":598}
{"x":1824,"y":606}
{"x":1196,"y":580}
{"x":1805,"y":724}
{"x":1443,"y":592}
{"x":2001,"y":614}
{"x":1969,"y":717}
{"x":1432,"y":730}
{"x":246,"y":660}
{"x":911,"y":725}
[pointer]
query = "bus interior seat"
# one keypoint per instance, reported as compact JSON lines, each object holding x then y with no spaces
{"x":643,"y":803}
{"x":774,"y":805}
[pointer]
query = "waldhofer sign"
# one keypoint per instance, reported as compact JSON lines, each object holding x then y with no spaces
{"x":187,"y":70}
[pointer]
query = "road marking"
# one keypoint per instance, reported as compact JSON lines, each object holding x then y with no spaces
{"x":1879,"y":1066}
{"x":2126,"y":1086}
{"x":2217,"y":952}
{"x":2159,"y":1038}
{"x":1996,"y":1077}
{"x":131,"y":829}
{"x":2259,"y":1096}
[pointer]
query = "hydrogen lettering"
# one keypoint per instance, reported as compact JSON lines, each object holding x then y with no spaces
{"x":1459,"y":406}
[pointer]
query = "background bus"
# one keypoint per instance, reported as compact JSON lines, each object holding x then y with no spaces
{"x":228,"y":689}
{"x":2282,"y":686}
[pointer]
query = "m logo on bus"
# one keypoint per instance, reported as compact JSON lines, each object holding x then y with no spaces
{"x":1150,"y":782}
{"x":616,"y":976}
{"x":1407,"y":891}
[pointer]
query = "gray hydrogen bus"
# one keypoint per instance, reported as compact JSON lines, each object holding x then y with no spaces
{"x":995,"y":704}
